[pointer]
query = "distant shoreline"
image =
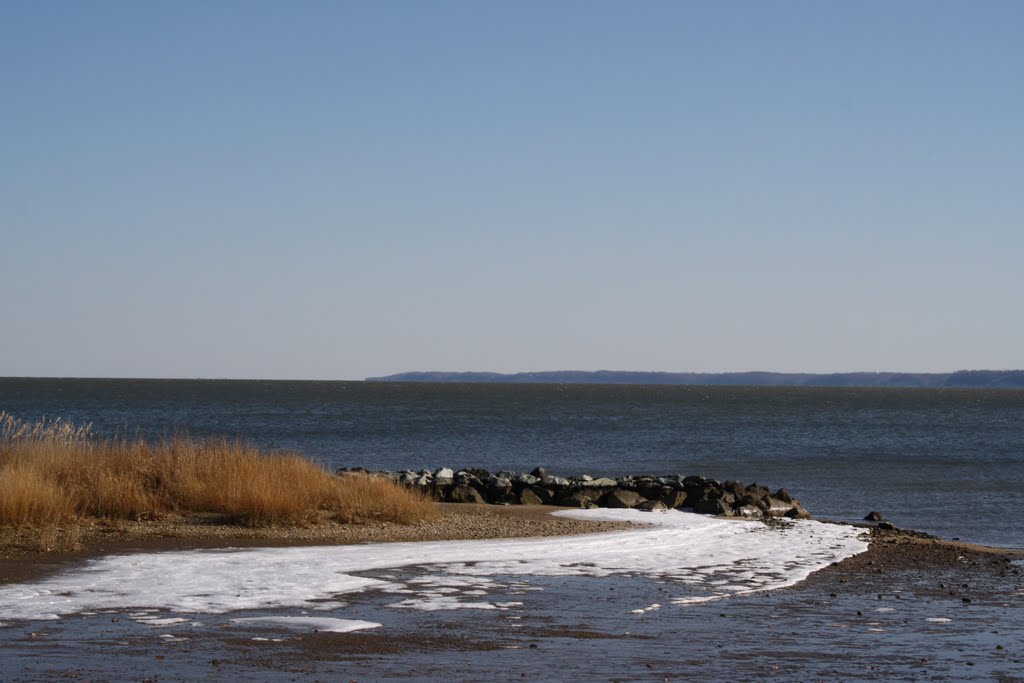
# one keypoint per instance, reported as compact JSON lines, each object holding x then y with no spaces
{"x":962,"y":379}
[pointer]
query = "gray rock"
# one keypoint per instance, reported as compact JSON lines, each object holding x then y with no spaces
{"x":620,"y":498}
{"x":499,"y":484}
{"x":528,"y":497}
{"x":525,"y":480}
{"x":576,"y":499}
{"x":546,"y":495}
{"x":797,"y":512}
{"x":444,"y":473}
{"x":602,"y":483}
{"x":651,"y":506}
{"x":751,"y":511}
{"x":711,"y":506}
{"x":874,"y":517}
{"x":674,"y":499}
{"x":783,"y":495}
{"x":464,"y":494}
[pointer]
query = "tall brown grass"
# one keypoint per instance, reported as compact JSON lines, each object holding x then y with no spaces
{"x":53,"y":472}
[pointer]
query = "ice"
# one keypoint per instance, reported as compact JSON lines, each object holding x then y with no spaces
{"x":322,"y":624}
{"x":704,"y":557}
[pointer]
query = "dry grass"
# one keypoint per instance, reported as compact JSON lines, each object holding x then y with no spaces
{"x":54,"y":472}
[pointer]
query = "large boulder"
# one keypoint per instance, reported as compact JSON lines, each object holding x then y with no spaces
{"x":651,"y":506}
{"x":546,"y":495}
{"x":528,"y":497}
{"x":751,"y":511}
{"x":783,"y":495}
{"x":464,"y":494}
{"x":797,"y":512}
{"x":576,"y":498}
{"x":621,"y":498}
{"x":674,"y":499}
{"x":712,"y":506}
{"x":601,"y":483}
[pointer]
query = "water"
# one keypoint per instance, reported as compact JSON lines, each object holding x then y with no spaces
{"x":945,"y":461}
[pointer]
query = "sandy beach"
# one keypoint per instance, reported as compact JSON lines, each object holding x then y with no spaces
{"x":911,"y":607}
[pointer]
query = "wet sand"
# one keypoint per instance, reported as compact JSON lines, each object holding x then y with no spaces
{"x":911,"y":607}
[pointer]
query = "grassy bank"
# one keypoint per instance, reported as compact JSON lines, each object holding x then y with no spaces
{"x":54,"y":473}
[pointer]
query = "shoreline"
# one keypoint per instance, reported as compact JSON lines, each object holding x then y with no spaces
{"x":909,"y":607}
{"x":22,"y":558}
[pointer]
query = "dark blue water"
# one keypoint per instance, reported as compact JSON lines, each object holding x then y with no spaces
{"x":946,"y":461}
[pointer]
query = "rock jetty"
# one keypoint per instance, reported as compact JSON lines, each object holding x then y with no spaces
{"x":644,"y":492}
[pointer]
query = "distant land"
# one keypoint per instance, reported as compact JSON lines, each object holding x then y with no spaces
{"x":1004,"y":379}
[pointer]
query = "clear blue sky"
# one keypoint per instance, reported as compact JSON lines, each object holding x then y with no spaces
{"x":332,"y":190}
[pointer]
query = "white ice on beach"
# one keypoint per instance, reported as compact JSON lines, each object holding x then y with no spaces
{"x":324,"y":624}
{"x":700,"y":558}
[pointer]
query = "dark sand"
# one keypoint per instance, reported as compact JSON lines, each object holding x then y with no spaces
{"x":910,"y":608}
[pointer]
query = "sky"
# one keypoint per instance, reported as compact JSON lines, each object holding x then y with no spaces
{"x":336,"y":190}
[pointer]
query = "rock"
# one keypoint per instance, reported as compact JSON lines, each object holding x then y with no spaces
{"x":528,"y":497}
{"x":546,"y":495}
{"x":651,"y":506}
{"x":540,"y":473}
{"x":748,"y":499}
{"x":444,"y":473}
{"x":525,"y":480}
{"x":711,"y":506}
{"x":736,"y":488}
{"x":576,"y":499}
{"x":674,"y":499}
{"x":758,"y":490}
{"x":886,"y":526}
{"x":499,"y":490}
{"x":466,"y":478}
{"x":602,"y":483}
{"x":874,"y":517}
{"x":783,"y":495}
{"x":751,"y":511}
{"x":651,"y":489}
{"x":499,"y":485}
{"x":797,"y":512}
{"x":464,"y":494}
{"x":620,"y":498}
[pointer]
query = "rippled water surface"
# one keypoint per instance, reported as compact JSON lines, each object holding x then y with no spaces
{"x":945,"y":461}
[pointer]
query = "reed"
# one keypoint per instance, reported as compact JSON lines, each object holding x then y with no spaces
{"x":53,"y":472}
